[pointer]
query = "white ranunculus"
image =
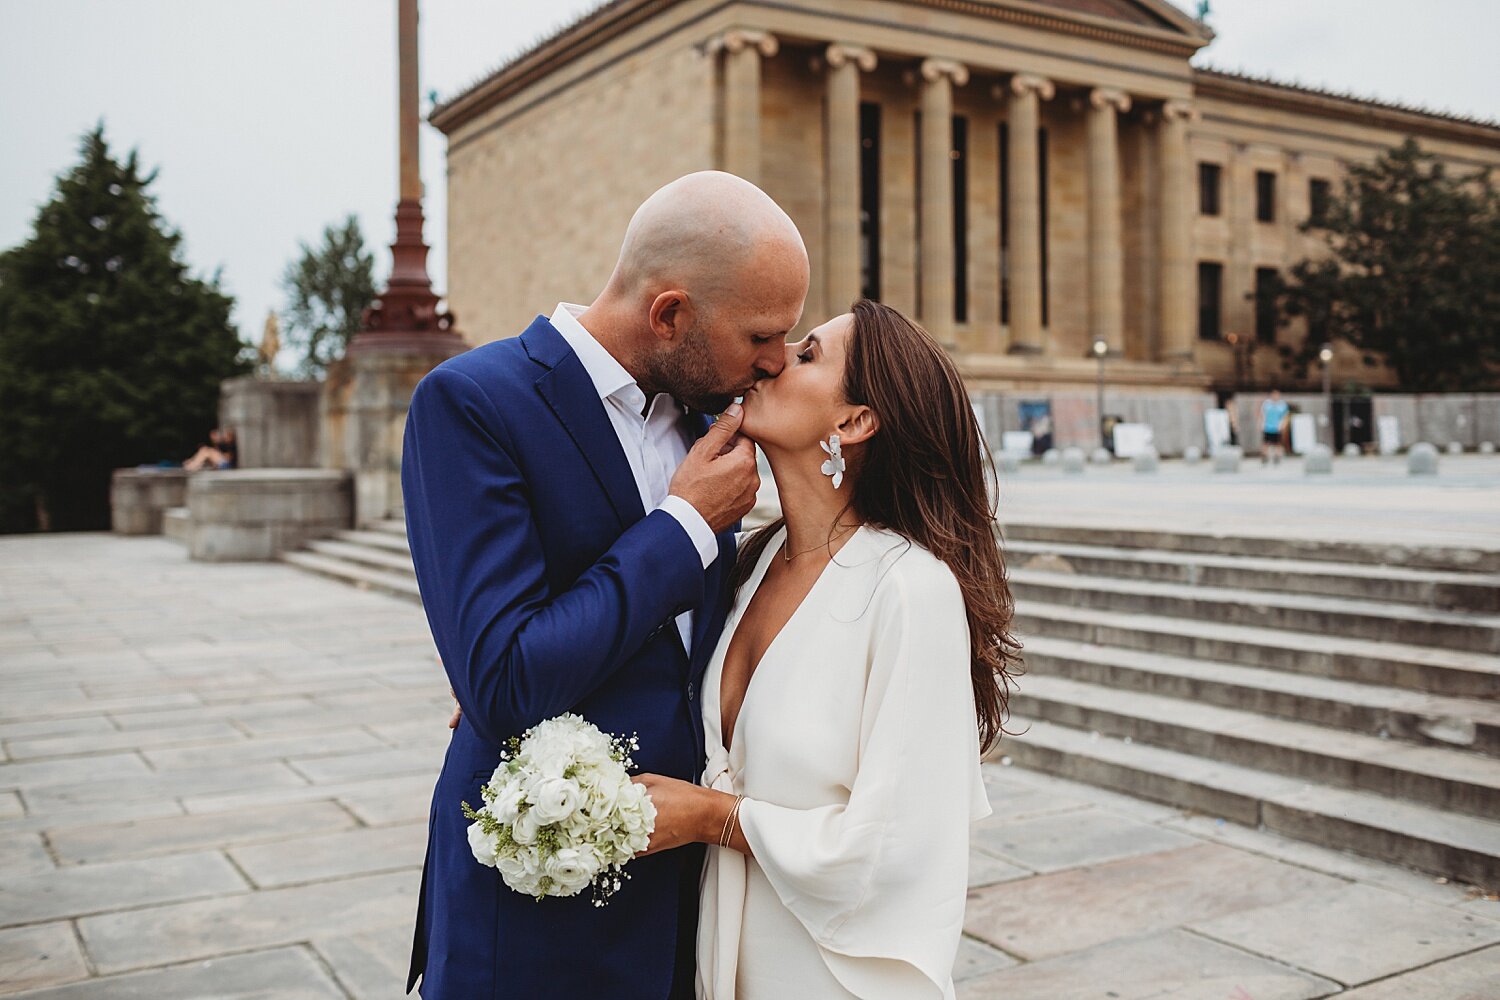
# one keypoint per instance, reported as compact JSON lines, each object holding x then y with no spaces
{"x":572,"y":869}
{"x":507,"y":802}
{"x":553,"y":800}
{"x":524,"y":830}
{"x":482,"y":844}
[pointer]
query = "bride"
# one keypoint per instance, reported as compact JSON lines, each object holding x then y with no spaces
{"x":862,"y":669}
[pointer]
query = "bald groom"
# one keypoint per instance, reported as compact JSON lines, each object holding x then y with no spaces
{"x":571,"y":514}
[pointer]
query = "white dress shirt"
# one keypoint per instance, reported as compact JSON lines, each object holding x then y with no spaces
{"x":654,"y":443}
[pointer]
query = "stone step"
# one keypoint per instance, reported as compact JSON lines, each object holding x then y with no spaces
{"x":361,"y":576}
{"x":1375,"y":710}
{"x":381,"y":539}
{"x":1454,"y":845}
{"x":1396,"y":584}
{"x":388,"y":526}
{"x":1448,"y":779}
{"x":376,"y":556}
{"x":1477,"y":560}
{"x":1418,"y":668}
{"x":1297,"y":612}
{"x":177,"y":524}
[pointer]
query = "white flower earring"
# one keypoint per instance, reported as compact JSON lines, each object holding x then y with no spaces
{"x":834,"y":466}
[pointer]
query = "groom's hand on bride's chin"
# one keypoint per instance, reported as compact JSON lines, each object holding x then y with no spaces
{"x":682,"y":810}
{"x":719,"y":477}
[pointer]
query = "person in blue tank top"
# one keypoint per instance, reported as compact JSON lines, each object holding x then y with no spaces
{"x":1273,"y":419}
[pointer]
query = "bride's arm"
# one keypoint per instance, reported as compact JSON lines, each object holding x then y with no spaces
{"x":689,"y":814}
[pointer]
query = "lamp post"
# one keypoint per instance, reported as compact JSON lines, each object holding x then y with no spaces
{"x":1101,"y":348}
{"x":1325,"y":355}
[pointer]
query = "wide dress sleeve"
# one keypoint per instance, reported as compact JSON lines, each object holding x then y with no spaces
{"x":879,"y":882}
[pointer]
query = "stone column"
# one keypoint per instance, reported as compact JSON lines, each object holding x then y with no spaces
{"x":935,"y":237}
{"x":1176,"y":198}
{"x":842,"y":194}
{"x":1024,"y":210}
{"x":743,"y":50}
{"x":1106,"y":252}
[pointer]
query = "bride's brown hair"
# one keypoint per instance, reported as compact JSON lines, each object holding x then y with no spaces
{"x":927,"y":475}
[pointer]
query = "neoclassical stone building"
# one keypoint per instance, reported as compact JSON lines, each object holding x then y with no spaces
{"x":1027,"y":177}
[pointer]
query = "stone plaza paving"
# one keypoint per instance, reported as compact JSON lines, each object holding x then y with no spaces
{"x":214,"y":780}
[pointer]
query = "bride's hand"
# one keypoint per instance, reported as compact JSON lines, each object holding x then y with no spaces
{"x":684,"y":812}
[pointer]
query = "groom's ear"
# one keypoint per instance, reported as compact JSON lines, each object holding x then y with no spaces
{"x":859,"y":425}
{"x":671,"y":314}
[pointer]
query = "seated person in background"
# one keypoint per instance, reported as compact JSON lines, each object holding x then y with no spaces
{"x":213,"y":455}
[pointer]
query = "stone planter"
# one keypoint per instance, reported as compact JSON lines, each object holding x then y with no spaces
{"x":256,"y":514}
{"x":138,"y":497}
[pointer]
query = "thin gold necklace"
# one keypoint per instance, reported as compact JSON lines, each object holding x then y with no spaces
{"x":788,"y":557}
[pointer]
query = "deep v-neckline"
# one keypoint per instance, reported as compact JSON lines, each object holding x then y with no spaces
{"x":731,"y":739}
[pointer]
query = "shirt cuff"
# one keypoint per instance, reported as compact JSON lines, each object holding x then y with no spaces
{"x":698,"y":531}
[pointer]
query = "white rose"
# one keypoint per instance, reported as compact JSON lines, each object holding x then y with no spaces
{"x":553,"y":800}
{"x":482,"y":844}
{"x":524,"y":830}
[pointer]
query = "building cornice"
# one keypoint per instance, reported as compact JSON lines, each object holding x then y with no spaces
{"x":1264,"y":92}
{"x":614,"y":18}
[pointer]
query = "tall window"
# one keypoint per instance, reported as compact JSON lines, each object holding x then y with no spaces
{"x":1265,"y":304}
{"x":869,"y":201}
{"x":1265,"y":196}
{"x":1318,"y":193}
{"x":1208,"y":188}
{"x":1041,"y":154}
{"x":1004,"y":222}
{"x":960,"y":156}
{"x":1041,"y":166}
{"x":1210,"y":289}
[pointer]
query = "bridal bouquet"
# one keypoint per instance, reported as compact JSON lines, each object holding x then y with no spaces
{"x":560,"y":812}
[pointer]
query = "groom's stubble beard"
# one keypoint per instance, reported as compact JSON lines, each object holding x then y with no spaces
{"x":688,"y":373}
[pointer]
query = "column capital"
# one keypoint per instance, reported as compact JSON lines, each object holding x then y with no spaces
{"x":739,"y":39}
{"x":1029,"y":83}
{"x":1108,"y":97}
{"x":841,"y":53}
{"x":934,"y":70}
{"x":1180,"y":111}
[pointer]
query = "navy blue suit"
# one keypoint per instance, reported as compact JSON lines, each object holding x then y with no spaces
{"x":549,"y":589}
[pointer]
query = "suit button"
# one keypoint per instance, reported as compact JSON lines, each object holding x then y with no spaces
{"x":692,"y":692}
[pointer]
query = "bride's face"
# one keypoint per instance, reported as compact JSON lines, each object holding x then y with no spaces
{"x":805,"y":403}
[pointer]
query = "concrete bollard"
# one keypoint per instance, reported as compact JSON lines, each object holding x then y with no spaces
{"x":1351,"y":450}
{"x":1486,"y":447}
{"x":1227,"y":458}
{"x":1422,"y":460}
{"x":1319,"y":461}
{"x":1101,"y":456}
{"x":1051,"y":456}
{"x":1072,"y":460}
{"x":1192,"y":454}
{"x":1146,"y":460}
{"x":1454,"y":448}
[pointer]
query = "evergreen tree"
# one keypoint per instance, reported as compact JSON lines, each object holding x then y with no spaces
{"x":327,"y":291}
{"x":111,"y":353}
{"x":1413,"y":273}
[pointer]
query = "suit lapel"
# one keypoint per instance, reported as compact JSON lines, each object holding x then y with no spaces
{"x":575,"y":402}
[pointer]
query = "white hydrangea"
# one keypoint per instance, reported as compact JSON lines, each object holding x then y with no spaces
{"x":560,"y":813}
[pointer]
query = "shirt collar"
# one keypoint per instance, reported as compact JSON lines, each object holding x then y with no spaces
{"x":607,"y":374}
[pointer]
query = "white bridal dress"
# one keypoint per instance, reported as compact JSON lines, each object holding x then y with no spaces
{"x":858,"y":755}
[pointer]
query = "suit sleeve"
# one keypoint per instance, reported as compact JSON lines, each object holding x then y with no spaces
{"x":515,"y":653}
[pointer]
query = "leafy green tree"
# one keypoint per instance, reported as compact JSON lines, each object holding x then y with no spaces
{"x":111,"y":353}
{"x":1413,"y":273}
{"x":327,"y":292}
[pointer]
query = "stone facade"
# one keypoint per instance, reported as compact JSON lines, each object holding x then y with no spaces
{"x":1075,"y":217}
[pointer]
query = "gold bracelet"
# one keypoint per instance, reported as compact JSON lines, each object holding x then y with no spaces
{"x":728,"y":832}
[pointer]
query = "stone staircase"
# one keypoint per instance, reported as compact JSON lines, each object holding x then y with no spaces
{"x":374,"y":557}
{"x":1343,"y":694}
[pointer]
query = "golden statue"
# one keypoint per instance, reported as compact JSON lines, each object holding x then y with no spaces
{"x":270,"y":342}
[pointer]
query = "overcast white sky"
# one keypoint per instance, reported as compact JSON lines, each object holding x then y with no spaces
{"x":269,"y":119}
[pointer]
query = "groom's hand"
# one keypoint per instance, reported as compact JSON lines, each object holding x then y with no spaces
{"x":719,"y":477}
